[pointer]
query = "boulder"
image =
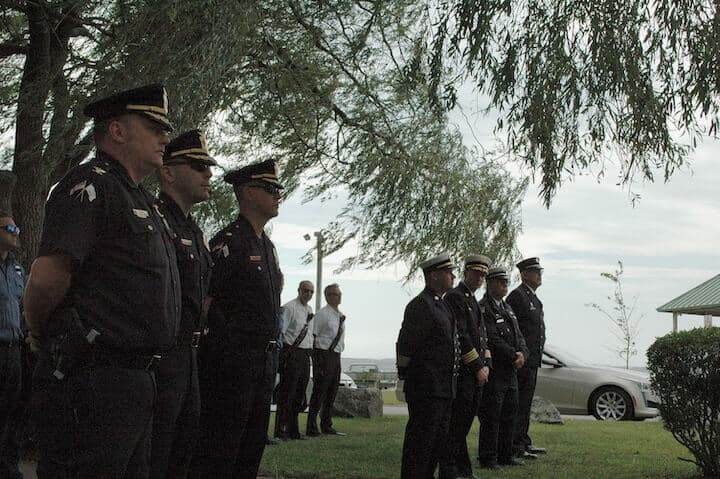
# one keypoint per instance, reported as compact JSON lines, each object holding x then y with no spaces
{"x":360,"y":402}
{"x":544,"y":411}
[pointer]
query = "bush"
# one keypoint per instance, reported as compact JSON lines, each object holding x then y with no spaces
{"x":685,"y":373}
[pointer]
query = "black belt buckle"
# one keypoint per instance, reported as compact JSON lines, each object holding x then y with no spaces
{"x":153,"y":361}
{"x":271,"y":346}
{"x":195,"y":341}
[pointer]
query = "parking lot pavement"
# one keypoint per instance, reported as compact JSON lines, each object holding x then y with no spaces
{"x":402,"y":411}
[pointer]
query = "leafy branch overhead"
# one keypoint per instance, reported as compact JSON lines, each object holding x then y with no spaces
{"x":324,"y":86}
{"x":578,"y":82}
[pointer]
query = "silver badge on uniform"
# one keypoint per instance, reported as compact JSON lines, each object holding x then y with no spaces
{"x":141,"y":213}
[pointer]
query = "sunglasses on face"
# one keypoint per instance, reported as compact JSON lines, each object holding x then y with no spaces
{"x":12,"y":229}
{"x":267,"y":188}
{"x":197,"y":165}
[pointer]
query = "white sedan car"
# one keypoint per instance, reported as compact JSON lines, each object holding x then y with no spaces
{"x":610,"y":394}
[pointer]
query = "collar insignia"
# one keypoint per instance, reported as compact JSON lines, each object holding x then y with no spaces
{"x":84,"y":190}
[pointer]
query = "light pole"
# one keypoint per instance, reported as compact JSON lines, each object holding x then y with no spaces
{"x":318,"y":279}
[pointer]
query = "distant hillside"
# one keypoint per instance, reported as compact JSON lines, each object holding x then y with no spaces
{"x":384,"y":364}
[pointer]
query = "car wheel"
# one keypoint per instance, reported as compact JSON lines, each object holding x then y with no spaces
{"x":610,"y":403}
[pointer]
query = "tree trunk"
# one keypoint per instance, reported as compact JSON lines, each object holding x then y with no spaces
{"x":45,"y":58}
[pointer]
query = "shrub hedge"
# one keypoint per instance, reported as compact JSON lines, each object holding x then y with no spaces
{"x":685,"y":373}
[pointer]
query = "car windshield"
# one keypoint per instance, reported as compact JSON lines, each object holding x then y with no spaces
{"x":565,"y":357}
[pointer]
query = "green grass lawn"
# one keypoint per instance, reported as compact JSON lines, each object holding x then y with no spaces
{"x":577,"y":449}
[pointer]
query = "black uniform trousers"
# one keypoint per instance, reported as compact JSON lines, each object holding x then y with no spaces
{"x":527,"y":379}
{"x":294,"y":377}
{"x":177,"y":414}
{"x":96,"y":422}
{"x":425,"y":436}
{"x":235,"y":392}
{"x":326,"y":379}
{"x":498,"y":409}
{"x":455,"y":460}
{"x":10,"y":388}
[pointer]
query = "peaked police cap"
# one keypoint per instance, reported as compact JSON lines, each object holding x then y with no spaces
{"x":266,"y":171}
{"x":149,"y":101}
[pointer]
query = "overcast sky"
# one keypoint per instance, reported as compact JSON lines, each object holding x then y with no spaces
{"x":667,"y":243}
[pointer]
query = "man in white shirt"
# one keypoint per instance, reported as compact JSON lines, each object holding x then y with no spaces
{"x":297,"y":338}
{"x":329,"y":332}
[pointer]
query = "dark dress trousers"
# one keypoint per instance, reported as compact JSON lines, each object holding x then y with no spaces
{"x":177,"y":411}
{"x":427,"y":355}
{"x":95,"y":421}
{"x":455,"y":460}
{"x":529,"y":311}
{"x":236,"y":357}
{"x":500,"y":395}
{"x":294,"y":368}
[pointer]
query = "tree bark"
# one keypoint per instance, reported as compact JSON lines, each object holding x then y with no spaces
{"x":46,"y":55}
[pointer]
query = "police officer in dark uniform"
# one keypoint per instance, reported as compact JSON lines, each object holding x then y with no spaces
{"x":428,"y":354}
{"x":475,"y":368}
{"x":500,"y":396}
{"x":236,"y":356}
{"x":103,"y":298}
{"x":184,"y":182}
{"x":529,"y":311}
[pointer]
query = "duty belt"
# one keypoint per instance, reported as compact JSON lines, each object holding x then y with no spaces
{"x":147,"y":362}
{"x":255,"y":344}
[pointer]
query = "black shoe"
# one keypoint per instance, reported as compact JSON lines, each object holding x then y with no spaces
{"x":489,"y":465}
{"x":332,"y":432}
{"x":271,"y":441}
{"x":297,"y":437}
{"x":312,"y":433}
{"x":511,"y":462}
{"x":535,"y":450}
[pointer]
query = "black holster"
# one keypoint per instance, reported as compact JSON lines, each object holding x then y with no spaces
{"x":70,"y":342}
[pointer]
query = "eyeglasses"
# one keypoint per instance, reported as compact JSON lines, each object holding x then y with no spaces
{"x":12,"y":229}
{"x":197,"y":165}
{"x":306,"y":290}
{"x":267,"y":188}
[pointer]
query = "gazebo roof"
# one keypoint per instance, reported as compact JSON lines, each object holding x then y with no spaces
{"x":702,"y":299}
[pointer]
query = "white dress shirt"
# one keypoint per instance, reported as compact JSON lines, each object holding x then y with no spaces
{"x":327,"y":322}
{"x":294,"y":315}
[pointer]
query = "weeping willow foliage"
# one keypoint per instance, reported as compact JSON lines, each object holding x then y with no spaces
{"x":335,"y":90}
{"x":580,"y":82}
